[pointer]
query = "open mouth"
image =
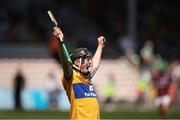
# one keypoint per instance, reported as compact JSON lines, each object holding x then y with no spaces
{"x":89,"y":67}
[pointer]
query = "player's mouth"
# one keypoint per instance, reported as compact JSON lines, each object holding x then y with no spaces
{"x":89,"y":67}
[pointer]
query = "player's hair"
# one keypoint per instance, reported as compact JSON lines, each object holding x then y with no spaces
{"x":80,"y":53}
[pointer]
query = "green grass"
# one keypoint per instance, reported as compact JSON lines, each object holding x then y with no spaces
{"x":65,"y":115}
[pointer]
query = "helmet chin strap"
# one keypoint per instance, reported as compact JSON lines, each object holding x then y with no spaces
{"x":79,"y":67}
{"x":76,"y":67}
{"x":80,"y":62}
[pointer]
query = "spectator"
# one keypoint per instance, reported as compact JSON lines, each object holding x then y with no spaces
{"x":53,"y":91}
{"x":110,"y":89}
{"x":162,"y":81}
{"x":54,"y":46}
{"x":143,"y":85}
{"x":19,"y":82}
{"x":147,"y":53}
{"x":175,"y":74}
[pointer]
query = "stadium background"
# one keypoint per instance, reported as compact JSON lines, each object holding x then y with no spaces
{"x":26,"y":44}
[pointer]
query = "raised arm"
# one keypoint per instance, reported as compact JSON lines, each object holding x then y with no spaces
{"x":97,"y":56}
{"x":66,"y":65}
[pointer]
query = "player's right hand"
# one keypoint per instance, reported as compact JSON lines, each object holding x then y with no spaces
{"x":101,"y":41}
{"x":58,"y":33}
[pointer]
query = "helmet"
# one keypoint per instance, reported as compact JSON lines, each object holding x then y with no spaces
{"x":80,"y":53}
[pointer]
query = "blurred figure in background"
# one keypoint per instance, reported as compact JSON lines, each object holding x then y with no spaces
{"x":147,"y":53}
{"x":53,"y":91}
{"x":162,"y":81}
{"x":124,"y":43}
{"x":143,"y":87}
{"x":54,"y":46}
{"x":110,"y":89}
{"x":19,"y":82}
{"x":175,"y":74}
{"x":133,"y":58}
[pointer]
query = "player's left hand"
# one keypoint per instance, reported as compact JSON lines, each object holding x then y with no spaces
{"x":101,"y":41}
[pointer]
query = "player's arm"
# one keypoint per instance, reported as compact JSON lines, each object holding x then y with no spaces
{"x":97,"y":56}
{"x":66,"y":65}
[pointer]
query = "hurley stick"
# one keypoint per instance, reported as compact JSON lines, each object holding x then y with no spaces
{"x":54,"y":21}
{"x":63,"y":45}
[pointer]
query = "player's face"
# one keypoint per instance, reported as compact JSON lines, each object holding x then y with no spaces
{"x":85,"y":67}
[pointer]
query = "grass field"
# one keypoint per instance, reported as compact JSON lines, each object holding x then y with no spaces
{"x":65,"y":115}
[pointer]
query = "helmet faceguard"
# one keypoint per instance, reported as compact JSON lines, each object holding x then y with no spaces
{"x":80,"y":53}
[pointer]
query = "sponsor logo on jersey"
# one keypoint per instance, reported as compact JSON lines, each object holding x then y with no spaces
{"x":83,"y":91}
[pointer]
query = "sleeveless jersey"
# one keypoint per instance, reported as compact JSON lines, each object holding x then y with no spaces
{"x":82,"y":97}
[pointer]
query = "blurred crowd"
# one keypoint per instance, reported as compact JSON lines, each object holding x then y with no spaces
{"x":158,"y":82}
{"x":26,"y":21}
{"x":159,"y":79}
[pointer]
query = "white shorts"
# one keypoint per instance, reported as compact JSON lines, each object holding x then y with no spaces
{"x":165,"y":100}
